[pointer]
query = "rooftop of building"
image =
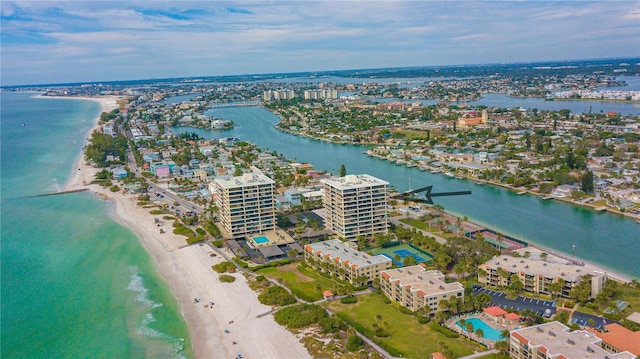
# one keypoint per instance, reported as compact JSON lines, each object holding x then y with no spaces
{"x":338,"y":250}
{"x":621,"y":338}
{"x":551,"y":267}
{"x":557,"y":340}
{"x":354,"y":181}
{"x":247,"y":179}
{"x":419,"y":279}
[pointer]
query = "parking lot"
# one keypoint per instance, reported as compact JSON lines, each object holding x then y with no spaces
{"x":582,"y":320}
{"x":538,"y":306}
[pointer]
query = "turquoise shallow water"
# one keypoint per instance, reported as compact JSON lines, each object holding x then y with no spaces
{"x":75,"y":284}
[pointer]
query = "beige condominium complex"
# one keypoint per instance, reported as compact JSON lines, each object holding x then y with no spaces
{"x":536,"y":270}
{"x":355,"y":205}
{"x":338,"y":258}
{"x":415,"y":287}
{"x":555,"y":341}
{"x":246,"y":204}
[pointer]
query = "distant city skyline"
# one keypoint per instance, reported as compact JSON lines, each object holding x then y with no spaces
{"x":45,"y":42}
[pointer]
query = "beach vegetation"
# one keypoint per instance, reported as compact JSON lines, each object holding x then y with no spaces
{"x":354,"y":343}
{"x":241,"y":263}
{"x":156,"y":212}
{"x":276,"y":295}
{"x":300,"y":315}
{"x":211,"y":227}
{"x":114,"y":188}
{"x":225,"y":278}
{"x":224,"y":267}
{"x":196,"y":239}
{"x":217,"y":244}
{"x":180,"y":229}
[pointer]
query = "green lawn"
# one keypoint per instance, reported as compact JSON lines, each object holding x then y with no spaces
{"x":422,"y":225}
{"x":412,"y":339}
{"x":301,"y":281}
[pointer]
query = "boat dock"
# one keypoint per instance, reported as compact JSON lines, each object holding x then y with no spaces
{"x":600,"y":209}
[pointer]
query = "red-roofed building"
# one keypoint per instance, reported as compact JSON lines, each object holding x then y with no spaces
{"x":494,"y":314}
{"x":617,"y":339}
{"x":512,"y":318}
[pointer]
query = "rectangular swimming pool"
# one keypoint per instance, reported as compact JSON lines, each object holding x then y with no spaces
{"x":487,"y":331}
{"x":260,"y":239}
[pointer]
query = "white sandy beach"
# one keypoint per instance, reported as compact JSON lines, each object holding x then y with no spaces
{"x":188,"y":272}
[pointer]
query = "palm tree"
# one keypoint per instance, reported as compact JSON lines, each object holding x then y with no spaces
{"x":479,"y":333}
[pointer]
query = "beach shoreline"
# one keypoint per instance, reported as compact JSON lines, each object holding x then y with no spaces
{"x":188,"y":273}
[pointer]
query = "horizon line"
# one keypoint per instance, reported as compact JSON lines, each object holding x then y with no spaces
{"x":311,"y":72}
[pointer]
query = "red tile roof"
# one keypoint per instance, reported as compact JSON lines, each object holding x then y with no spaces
{"x":621,"y":338}
{"x":494,"y":311}
{"x":512,"y":316}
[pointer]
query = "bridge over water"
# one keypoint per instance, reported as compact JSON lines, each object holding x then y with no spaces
{"x":234,"y":104}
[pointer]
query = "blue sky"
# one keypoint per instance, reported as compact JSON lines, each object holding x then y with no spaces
{"x":91,"y":41}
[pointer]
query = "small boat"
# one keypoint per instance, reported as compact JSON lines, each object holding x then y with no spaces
{"x":449,"y":174}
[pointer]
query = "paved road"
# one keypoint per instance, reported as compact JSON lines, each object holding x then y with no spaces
{"x":521,"y":303}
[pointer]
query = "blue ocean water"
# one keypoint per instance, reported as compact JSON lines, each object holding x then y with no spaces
{"x":75,"y":284}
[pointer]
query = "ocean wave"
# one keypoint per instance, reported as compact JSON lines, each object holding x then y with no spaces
{"x":136,"y":285}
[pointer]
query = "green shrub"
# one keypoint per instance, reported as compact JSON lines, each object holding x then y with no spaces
{"x":276,"y":295}
{"x":362,"y":287}
{"x":241,"y":263}
{"x":423,"y":320}
{"x":114,"y":188}
{"x":354,"y":343}
{"x":405,"y":310}
{"x":217,"y":244}
{"x":225,"y":278}
{"x":156,"y":212}
{"x":349,"y":300}
{"x":224,"y":267}
{"x":444,"y":330}
{"x":281,"y":262}
{"x":386,"y":300}
{"x":200,"y":231}
{"x":300,"y":316}
{"x":381,"y":333}
{"x":196,"y":239}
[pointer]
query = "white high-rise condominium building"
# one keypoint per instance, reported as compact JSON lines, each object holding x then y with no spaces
{"x":246,"y":204}
{"x":355,"y":205}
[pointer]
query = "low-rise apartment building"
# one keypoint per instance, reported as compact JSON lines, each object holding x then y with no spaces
{"x":536,"y":271}
{"x":415,"y":287}
{"x":338,"y":258}
{"x":554,"y":340}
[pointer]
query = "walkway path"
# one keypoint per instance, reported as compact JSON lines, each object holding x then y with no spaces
{"x":480,"y":355}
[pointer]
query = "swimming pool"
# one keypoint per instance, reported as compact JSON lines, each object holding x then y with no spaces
{"x":488,"y":332}
{"x":260,"y":239}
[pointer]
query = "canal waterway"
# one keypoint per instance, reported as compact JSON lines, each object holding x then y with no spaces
{"x":607,"y":239}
